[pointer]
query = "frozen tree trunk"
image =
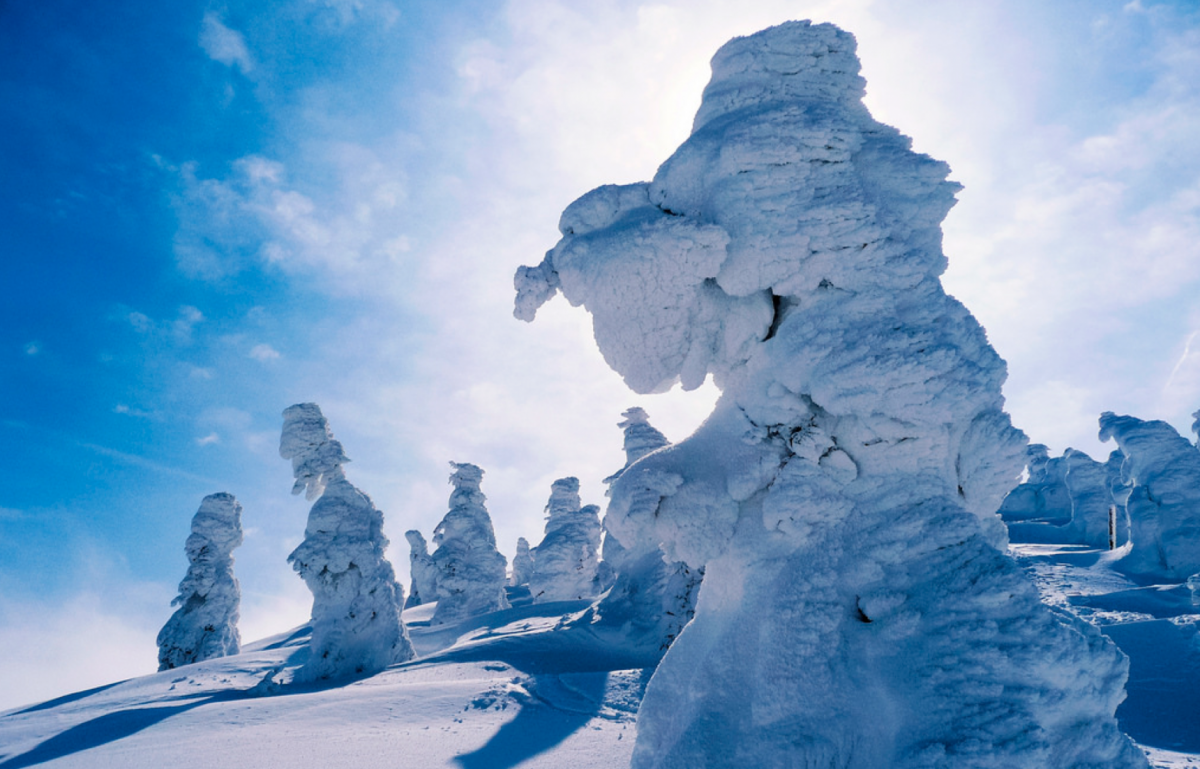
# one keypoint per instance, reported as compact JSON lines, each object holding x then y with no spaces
{"x":423,"y":571}
{"x":522,"y":564}
{"x":471,"y":572}
{"x":356,"y":625}
{"x":205,"y":625}
{"x":564,"y":567}
{"x":856,"y":610}
{"x":1162,"y":471}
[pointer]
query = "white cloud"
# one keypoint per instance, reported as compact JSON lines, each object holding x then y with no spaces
{"x":224,"y":45}
{"x":32,"y":348}
{"x":264,"y":353}
{"x":208,"y":440}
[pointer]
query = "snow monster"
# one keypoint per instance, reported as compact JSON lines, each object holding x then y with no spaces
{"x":857,"y":608}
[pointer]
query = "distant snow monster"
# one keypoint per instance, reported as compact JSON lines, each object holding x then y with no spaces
{"x":423,"y":570}
{"x":471,"y":572}
{"x":522,"y":564}
{"x":205,"y":625}
{"x":1162,"y":470}
{"x":564,"y":565}
{"x":356,"y":624}
{"x":1065,"y":500}
{"x":856,"y":610}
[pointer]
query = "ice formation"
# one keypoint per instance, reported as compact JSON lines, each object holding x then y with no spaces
{"x":1065,"y":500}
{"x":564,"y":564}
{"x":471,"y":572}
{"x":855,"y":611}
{"x":522,"y":564}
{"x":205,"y":625}
{"x":423,"y":570}
{"x":356,"y":624}
{"x":1162,"y":471}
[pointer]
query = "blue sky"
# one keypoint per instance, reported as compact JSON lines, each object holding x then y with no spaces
{"x":214,"y":210}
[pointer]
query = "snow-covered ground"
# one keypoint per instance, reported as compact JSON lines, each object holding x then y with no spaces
{"x":514,"y":688}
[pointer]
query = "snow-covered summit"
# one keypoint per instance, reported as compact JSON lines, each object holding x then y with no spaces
{"x":849,"y":476}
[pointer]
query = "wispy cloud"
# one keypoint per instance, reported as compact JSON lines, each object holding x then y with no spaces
{"x":208,"y":440}
{"x":32,"y":348}
{"x":264,"y":353}
{"x":224,"y":45}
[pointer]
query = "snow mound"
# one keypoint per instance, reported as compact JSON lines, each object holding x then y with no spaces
{"x":205,"y":625}
{"x":855,"y":609}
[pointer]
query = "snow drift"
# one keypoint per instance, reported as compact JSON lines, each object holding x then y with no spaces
{"x":855,"y":611}
{"x":205,"y":625}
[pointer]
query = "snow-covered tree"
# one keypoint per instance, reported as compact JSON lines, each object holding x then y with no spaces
{"x":1162,"y":471}
{"x":1065,"y":500}
{"x":205,"y":625}
{"x":522,"y":564}
{"x":564,"y":564}
{"x":471,"y":572}
{"x":856,"y":609}
{"x":423,"y":570}
{"x":356,"y":624}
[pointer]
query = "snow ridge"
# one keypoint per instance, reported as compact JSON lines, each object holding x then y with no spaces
{"x":205,"y":625}
{"x":855,"y":610}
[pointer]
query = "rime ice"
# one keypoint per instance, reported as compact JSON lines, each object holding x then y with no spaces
{"x":855,"y":610}
{"x":205,"y":625}
{"x":471,"y":572}
{"x":564,"y":565}
{"x":356,"y":624}
{"x":423,"y":570}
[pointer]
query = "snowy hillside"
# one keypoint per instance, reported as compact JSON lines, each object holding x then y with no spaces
{"x":509,"y":689}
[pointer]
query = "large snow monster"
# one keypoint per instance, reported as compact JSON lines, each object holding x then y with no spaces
{"x":857,"y":609}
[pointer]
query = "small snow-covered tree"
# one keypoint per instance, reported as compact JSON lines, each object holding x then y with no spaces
{"x":205,"y":625}
{"x":356,"y":624}
{"x":522,"y":564}
{"x":471,"y":572}
{"x":1162,"y":470}
{"x":422,"y":569}
{"x":564,"y":564}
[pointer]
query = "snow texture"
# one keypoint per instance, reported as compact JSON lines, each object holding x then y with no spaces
{"x":565,"y":563}
{"x":522,"y":564}
{"x":1162,"y":470}
{"x":423,"y":571}
{"x":841,"y":498}
{"x":307,"y":441}
{"x":205,"y":625}
{"x":471,"y":572}
{"x":356,"y":624}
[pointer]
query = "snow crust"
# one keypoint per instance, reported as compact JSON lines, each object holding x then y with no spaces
{"x":1162,"y":470}
{"x":422,"y":569}
{"x":356,"y":624}
{"x":565,"y":562}
{"x":856,"y":610}
{"x":205,"y":625}
{"x":471,"y":572}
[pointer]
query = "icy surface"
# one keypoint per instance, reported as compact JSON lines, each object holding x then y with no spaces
{"x":422,"y":569}
{"x":205,"y":625}
{"x":356,"y":624}
{"x":1162,"y":470}
{"x":471,"y":572}
{"x":855,"y":610}
{"x":565,"y":562}
{"x":522,"y":564}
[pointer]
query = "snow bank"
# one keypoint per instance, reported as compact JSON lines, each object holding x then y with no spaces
{"x":1162,"y":471}
{"x":356,"y":624}
{"x":422,"y":569}
{"x":471,"y":572}
{"x":564,"y":564}
{"x":841,"y":499}
{"x":205,"y":625}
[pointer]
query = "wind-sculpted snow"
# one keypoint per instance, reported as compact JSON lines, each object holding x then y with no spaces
{"x":564,"y":564}
{"x":356,"y":624}
{"x":1065,"y":500}
{"x":205,"y":625}
{"x":307,"y":441}
{"x":422,"y":569}
{"x":522,"y":564}
{"x":1162,"y":469}
{"x":855,"y":610}
{"x":471,"y":572}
